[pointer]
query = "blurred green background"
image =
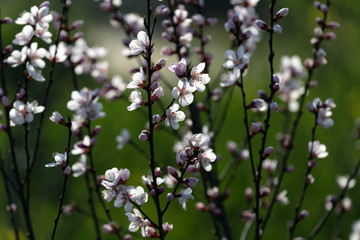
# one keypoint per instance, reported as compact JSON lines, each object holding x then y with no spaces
{"x":338,"y":80}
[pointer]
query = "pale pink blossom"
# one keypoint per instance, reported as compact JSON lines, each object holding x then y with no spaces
{"x":36,"y":54}
{"x":198,"y":79}
{"x":239,"y":59}
{"x":184,"y":92}
{"x":25,"y":36}
{"x":136,"y":100}
{"x":205,"y":158}
{"x":184,"y":196}
{"x":200,"y":141}
{"x":60,"y":160}
{"x":17,"y":57}
{"x":21,"y":112}
{"x":174,"y":116}
{"x":79,"y":167}
{"x":33,"y":73}
{"x":318,"y":150}
{"x":139,"y":45}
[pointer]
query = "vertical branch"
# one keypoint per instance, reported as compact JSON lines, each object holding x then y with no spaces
{"x":306,"y":183}
{"x":62,"y":196}
{"x":7,"y":181}
{"x":150,"y":31}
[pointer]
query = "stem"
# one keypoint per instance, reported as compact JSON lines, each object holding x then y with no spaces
{"x":150,"y":31}
{"x":7,"y":181}
{"x":306,"y":184}
{"x":62,"y":196}
{"x":246,"y":123}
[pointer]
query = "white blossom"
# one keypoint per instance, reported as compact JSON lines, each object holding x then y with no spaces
{"x":25,"y":36}
{"x":80,"y":167}
{"x":139,"y":45}
{"x":197,"y":79}
{"x":60,"y":160}
{"x":21,"y":112}
{"x":136,"y":100}
{"x":184,"y":196}
{"x":174,"y":116}
{"x":318,"y":150}
{"x":184,"y":92}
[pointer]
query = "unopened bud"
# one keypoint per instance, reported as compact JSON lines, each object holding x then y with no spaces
{"x":274,"y":106}
{"x":310,"y":179}
{"x":5,"y":102}
{"x":333,"y":25}
{"x":57,"y":118}
{"x":170,"y":196}
{"x":144,"y":136}
{"x":158,"y":172}
{"x":303,"y":214}
{"x":153,"y":192}
{"x":261,"y":25}
{"x":268,"y":151}
{"x":329,"y":36}
{"x":67,"y":171}
{"x":96,"y":130}
{"x":161,"y":189}
{"x":7,"y":20}
{"x":264,"y":191}
{"x":156,"y":118}
{"x":160,"y":64}
{"x":277,"y":28}
{"x":281,"y":13}
{"x":76,"y":25}
{"x":262,"y":94}
{"x":191,"y":182}
{"x":173,"y":172}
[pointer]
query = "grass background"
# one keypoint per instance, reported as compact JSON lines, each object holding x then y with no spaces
{"x":338,"y":80}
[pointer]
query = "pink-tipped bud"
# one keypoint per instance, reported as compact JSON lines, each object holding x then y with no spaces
{"x":191,"y":182}
{"x":170,"y":196}
{"x":160,"y":64}
{"x":161,"y":189}
{"x":5,"y":102}
{"x":67,"y":171}
{"x":144,"y":136}
{"x":68,"y":3}
{"x":256,"y":128}
{"x":311,"y":163}
{"x":309,"y":63}
{"x":189,"y":152}
{"x":268,"y":151}
{"x":264,"y":191}
{"x":231,"y":146}
{"x":11,"y":208}
{"x":275,"y":78}
{"x":303,"y":214}
{"x":128,"y":237}
{"x":211,"y":21}
{"x":173,"y":172}
{"x":276,"y":87}
{"x":261,"y":25}
{"x":333,"y":25}
{"x":77,"y":36}
{"x":310,"y":179}
{"x":153,"y":192}
{"x":318,"y":32}
{"x":76,"y":25}
{"x":274,"y":106}
{"x":7,"y":20}
{"x":69,"y":209}
{"x":262,"y":94}
{"x":96,"y":131}
{"x":44,"y":4}
{"x":158,"y":172}
{"x":106,"y":6}
{"x":156,"y":118}
{"x":201,"y":207}
{"x":277,"y":28}
{"x":57,"y":118}
{"x":329,"y":36}
{"x":281,"y":13}
{"x":166,"y":51}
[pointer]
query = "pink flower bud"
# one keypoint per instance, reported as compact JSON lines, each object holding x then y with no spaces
{"x":268,"y":151}
{"x":156,"y":118}
{"x":201,"y":207}
{"x":106,"y":6}
{"x":96,"y":130}
{"x":158,"y":172}
{"x":166,"y":51}
{"x":303,"y":214}
{"x":173,"y":172}
{"x":161,"y":189}
{"x":69,"y":209}
{"x":275,"y":78}
{"x":189,"y":152}
{"x":8,"y":49}
{"x":67,"y":171}
{"x":198,"y":19}
{"x":153,"y":192}
{"x":231,"y":146}
{"x":76,"y":25}
{"x":151,"y":232}
{"x":264,"y":191}
{"x":256,"y":128}
{"x":277,"y":28}
{"x":329,"y":36}
{"x":318,"y":32}
{"x":57,"y":118}
{"x":311,"y":163}
{"x":274,"y":106}
{"x":191,"y":182}
{"x":248,"y":194}
{"x":281,"y":13}
{"x":333,"y":25}
{"x":5,"y":102}
{"x":160,"y":64}
{"x":262,"y":94}
{"x":261,"y":25}
{"x":309,"y":63}
{"x":77,"y":36}
{"x":144,"y":136}
{"x":128,"y":237}
{"x":170,"y":196}
{"x":11,"y":208}
{"x":7,"y":20}
{"x":310,"y":179}
{"x":276,"y":87}
{"x":68,"y":3}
